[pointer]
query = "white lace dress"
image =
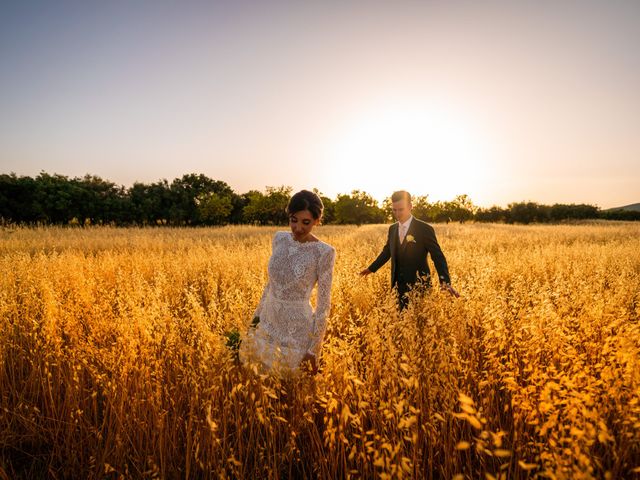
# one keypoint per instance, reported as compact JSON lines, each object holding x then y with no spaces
{"x":289,"y":328}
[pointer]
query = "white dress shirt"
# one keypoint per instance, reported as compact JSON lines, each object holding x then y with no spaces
{"x":404,"y":228}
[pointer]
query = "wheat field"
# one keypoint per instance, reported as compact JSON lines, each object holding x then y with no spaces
{"x":113,"y":361}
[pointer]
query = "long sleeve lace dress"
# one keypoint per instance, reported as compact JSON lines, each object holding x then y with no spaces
{"x":289,"y":328}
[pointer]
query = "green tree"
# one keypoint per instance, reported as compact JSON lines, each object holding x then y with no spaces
{"x":560,"y":211}
{"x":214,"y":208}
{"x":528,"y":212}
{"x":150,"y":204}
{"x":422,"y":209}
{"x":328,"y":214}
{"x":185,"y":191}
{"x":494,"y":214}
{"x":358,"y":208}
{"x":99,"y":201}
{"x":620,"y":214}
{"x":460,"y":209}
{"x":17,"y":196}
{"x":53,"y":199}
{"x":269,"y":208}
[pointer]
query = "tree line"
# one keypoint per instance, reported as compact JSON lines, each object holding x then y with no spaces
{"x":195,"y":199}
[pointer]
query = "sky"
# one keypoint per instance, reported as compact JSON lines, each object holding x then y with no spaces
{"x":504,"y":101}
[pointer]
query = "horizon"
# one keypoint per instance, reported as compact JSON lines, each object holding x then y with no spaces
{"x":504,"y":102}
{"x":380,"y":201}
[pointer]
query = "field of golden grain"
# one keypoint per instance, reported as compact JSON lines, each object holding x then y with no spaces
{"x":113,"y":362}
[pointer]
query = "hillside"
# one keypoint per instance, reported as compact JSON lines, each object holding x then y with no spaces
{"x":635,"y":207}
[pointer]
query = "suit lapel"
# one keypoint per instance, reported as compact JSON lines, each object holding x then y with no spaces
{"x":394,"y":239}
{"x":409,"y":232}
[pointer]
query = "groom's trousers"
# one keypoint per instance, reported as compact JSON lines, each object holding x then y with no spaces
{"x":403,"y":288}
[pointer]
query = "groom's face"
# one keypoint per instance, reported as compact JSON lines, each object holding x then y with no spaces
{"x":401,"y":210}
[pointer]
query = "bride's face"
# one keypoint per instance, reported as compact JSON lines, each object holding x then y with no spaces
{"x":302,"y":224}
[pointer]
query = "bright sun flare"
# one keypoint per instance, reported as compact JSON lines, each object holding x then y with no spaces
{"x":425,"y":150}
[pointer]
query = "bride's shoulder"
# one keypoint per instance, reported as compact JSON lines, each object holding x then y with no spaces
{"x":325,"y":247}
{"x":281,"y":234}
{"x":279,"y":237}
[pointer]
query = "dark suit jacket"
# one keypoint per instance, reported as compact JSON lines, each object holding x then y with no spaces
{"x":409,"y":260}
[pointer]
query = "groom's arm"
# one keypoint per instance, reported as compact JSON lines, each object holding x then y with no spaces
{"x":383,"y":258}
{"x":436,"y":255}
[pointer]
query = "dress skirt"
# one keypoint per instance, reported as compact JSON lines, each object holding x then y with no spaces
{"x":282,"y":338}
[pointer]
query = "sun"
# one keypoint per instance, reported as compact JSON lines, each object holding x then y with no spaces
{"x":425,"y":149}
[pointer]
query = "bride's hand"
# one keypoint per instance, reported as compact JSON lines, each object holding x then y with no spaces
{"x":310,"y":360}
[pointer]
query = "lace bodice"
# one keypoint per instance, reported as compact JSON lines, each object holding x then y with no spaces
{"x":284,"y":309}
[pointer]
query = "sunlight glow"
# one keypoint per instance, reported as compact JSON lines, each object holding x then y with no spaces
{"x":426,"y":149}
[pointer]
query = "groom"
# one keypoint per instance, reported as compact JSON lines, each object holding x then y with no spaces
{"x":409,"y":242}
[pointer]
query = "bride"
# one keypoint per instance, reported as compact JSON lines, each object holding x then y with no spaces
{"x":289,"y":332}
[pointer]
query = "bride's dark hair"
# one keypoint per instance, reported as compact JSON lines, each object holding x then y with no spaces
{"x":306,"y":200}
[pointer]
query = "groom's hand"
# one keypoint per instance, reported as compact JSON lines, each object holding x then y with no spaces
{"x":365,"y":272}
{"x":309,"y":361}
{"x":444,"y":286}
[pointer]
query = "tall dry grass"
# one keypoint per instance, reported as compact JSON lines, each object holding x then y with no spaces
{"x":113,"y":363}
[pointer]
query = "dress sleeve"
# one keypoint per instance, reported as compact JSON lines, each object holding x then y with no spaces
{"x":267,"y":287}
{"x":325,"y":278}
{"x":265,"y":292}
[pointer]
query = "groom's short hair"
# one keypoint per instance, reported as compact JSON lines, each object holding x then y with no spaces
{"x":400,"y":195}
